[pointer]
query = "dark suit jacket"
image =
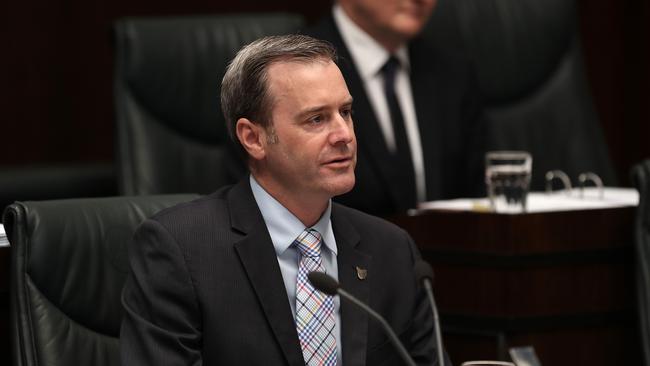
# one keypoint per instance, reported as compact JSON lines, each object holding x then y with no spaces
{"x":450,"y":118}
{"x":206,"y":288}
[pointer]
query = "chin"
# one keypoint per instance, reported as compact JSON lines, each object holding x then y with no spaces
{"x":410,"y":31}
{"x":409,"y":27}
{"x":341,"y":186}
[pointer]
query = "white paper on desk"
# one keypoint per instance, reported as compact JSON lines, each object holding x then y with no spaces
{"x":4,"y":242}
{"x":548,"y":202}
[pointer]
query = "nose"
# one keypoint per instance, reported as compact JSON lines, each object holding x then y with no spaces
{"x":342,"y":131}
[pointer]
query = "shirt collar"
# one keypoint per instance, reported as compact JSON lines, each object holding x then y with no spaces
{"x":283,"y":226}
{"x":368,"y":55}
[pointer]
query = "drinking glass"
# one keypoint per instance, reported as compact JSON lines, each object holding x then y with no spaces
{"x":507,"y":177}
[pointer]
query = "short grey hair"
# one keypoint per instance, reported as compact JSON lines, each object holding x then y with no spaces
{"x":244,"y":89}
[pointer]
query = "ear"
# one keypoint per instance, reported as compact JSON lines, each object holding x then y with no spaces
{"x":251,"y":136}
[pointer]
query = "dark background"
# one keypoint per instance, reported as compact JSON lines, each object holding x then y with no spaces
{"x":56,"y":94}
{"x":56,"y":78}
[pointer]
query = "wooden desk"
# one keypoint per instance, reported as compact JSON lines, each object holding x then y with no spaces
{"x":562,"y":282}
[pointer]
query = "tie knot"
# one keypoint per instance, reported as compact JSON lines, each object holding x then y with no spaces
{"x":390,"y":67}
{"x":308,"y":243}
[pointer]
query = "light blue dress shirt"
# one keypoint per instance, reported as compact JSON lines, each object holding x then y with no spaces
{"x":284,"y":228}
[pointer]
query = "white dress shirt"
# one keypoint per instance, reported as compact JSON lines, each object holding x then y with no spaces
{"x":369,"y":57}
{"x":284,"y":228}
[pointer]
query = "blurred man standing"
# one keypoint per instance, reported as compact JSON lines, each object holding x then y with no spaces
{"x":417,"y":111}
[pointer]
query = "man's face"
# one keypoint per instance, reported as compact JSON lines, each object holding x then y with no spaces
{"x":311,"y":147}
{"x":392,"y":20}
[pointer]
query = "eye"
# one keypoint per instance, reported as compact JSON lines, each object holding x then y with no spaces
{"x":316,"y":119}
{"x":347,"y":113}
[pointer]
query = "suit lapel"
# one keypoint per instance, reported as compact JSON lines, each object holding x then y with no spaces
{"x":256,"y":253}
{"x":427,"y":100}
{"x":354,"y":322}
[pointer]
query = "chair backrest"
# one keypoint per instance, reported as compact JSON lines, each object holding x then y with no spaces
{"x":641,"y":179}
{"x":529,"y":65}
{"x":171,"y":132}
{"x":56,"y":181}
{"x":68,"y":266}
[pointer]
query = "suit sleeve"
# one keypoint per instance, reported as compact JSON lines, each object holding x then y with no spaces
{"x":161,"y":324}
{"x":422,"y":337}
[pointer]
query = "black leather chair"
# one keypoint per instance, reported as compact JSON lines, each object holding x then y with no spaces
{"x":528,"y":60}
{"x":68,"y":265}
{"x":641,"y":179}
{"x":170,"y":128}
{"x":56,"y":181}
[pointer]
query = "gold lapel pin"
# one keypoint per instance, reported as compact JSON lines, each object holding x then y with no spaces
{"x":362,"y":273}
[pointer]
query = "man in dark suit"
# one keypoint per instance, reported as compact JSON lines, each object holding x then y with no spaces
{"x":222,"y":280}
{"x":418,"y":115}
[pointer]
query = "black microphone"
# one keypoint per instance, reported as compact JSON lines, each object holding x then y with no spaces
{"x":329,"y":286}
{"x":424,"y":275}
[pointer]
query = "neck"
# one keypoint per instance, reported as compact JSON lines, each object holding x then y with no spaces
{"x":390,"y":44}
{"x":306,"y":208}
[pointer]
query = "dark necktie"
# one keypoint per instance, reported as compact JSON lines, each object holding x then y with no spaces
{"x":403,"y":172}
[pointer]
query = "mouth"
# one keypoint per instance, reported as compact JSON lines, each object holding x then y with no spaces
{"x":414,"y":9}
{"x":339,"y":162}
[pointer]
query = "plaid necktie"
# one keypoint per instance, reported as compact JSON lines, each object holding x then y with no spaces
{"x":314,"y":310}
